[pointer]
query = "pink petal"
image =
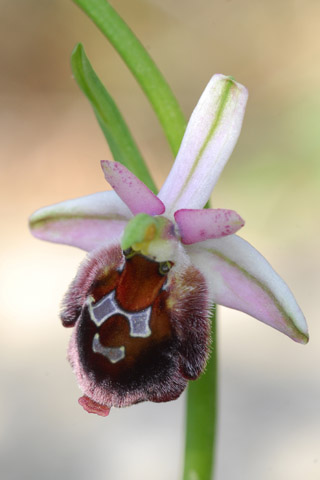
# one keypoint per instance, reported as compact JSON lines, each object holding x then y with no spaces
{"x":131,"y":190}
{"x":86,"y":222}
{"x":239,"y":277}
{"x":199,"y":225}
{"x":209,"y":140}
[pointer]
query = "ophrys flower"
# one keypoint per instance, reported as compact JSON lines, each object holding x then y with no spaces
{"x":140,"y":301}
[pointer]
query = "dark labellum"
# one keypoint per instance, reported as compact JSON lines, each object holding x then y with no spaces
{"x":141,"y":328}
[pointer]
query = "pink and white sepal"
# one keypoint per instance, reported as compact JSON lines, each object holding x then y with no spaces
{"x":235,"y":274}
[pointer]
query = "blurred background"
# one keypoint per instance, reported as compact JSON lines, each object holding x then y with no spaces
{"x":50,"y":147}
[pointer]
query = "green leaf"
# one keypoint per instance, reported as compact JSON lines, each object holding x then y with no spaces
{"x":142,"y":67}
{"x":114,"y":127}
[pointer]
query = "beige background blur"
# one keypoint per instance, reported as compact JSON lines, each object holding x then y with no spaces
{"x":50,"y":144}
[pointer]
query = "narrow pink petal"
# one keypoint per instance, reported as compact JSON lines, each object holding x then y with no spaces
{"x":209,"y":140}
{"x":134,"y":193}
{"x":239,"y":277}
{"x":86,"y":222}
{"x":199,"y":225}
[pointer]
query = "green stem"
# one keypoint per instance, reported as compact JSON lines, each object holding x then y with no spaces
{"x":142,"y":66}
{"x":202,"y":418}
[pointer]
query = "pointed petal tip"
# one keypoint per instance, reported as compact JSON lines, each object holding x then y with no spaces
{"x":297,"y":328}
{"x":220,"y":77}
{"x":132,"y":191}
{"x":300,"y":335}
{"x":37,"y":222}
{"x":237,"y":94}
{"x":304,"y":339}
{"x":32,"y":222}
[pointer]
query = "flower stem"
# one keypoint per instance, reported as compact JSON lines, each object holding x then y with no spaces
{"x":141,"y":65}
{"x":202,"y":418}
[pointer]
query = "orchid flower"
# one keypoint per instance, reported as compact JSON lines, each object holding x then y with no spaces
{"x":140,"y":301}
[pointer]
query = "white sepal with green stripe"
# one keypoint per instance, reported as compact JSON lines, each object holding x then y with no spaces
{"x":211,"y":135}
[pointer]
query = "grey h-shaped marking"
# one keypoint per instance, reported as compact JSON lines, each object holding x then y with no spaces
{"x":108,"y":306}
